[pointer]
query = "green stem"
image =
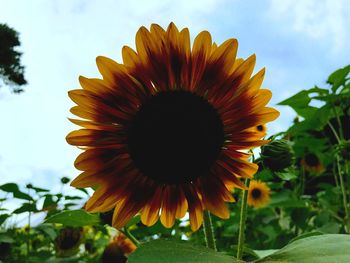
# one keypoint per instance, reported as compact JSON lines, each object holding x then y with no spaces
{"x":242,"y":221}
{"x":334,"y":132}
{"x":339,"y":122}
{"x":335,"y":176}
{"x":208,"y":230}
{"x":345,"y":202}
{"x":341,"y":179}
{"x":127,"y":233}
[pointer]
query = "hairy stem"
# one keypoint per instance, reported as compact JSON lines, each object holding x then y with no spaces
{"x":343,"y":191}
{"x":127,"y":233}
{"x":208,"y":230}
{"x":242,"y":220}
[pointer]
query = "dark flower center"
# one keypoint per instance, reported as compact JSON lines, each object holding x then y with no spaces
{"x":68,"y":238}
{"x":256,"y":193}
{"x":311,"y":159}
{"x":260,"y":128}
{"x":175,"y":137}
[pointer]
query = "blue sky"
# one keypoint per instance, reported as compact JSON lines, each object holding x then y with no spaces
{"x":299,"y":42}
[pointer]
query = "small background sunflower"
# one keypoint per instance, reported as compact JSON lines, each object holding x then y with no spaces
{"x":258,"y":194}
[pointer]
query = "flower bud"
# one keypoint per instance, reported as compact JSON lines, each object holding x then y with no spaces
{"x":277,"y":155}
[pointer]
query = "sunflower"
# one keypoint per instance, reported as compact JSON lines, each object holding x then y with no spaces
{"x":312,"y":163}
{"x":68,"y":241}
{"x":118,"y":250}
{"x":163,"y":133}
{"x":258,"y":194}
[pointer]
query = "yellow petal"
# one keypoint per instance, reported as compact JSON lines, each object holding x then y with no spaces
{"x":150,"y":212}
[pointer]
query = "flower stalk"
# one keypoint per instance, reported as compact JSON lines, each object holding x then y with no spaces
{"x":243,"y":216}
{"x":208,"y":230}
{"x":127,"y":233}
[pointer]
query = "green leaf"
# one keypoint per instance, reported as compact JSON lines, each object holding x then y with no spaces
{"x":49,"y":202}
{"x":5,"y":238}
{"x":83,"y":190}
{"x":26,"y":207}
{"x":264,"y":253}
{"x":133,"y":221}
{"x":38,"y":189}
{"x":286,"y":199}
{"x":48,"y":229}
{"x":306,"y":112}
{"x":3,"y":218}
{"x":286,"y":175}
{"x":330,"y":228}
{"x":72,"y":197}
{"x":314,"y":249}
{"x":74,"y":218}
{"x":14,"y":189}
{"x":338,"y":77}
{"x":309,"y":234}
{"x":160,"y":251}
{"x":299,"y":100}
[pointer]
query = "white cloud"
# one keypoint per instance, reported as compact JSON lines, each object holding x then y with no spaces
{"x":326,"y":20}
{"x":60,"y":40}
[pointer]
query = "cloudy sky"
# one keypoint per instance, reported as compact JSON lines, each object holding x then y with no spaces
{"x":300,"y":42}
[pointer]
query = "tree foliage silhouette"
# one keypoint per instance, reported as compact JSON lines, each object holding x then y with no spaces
{"x":11,"y":70}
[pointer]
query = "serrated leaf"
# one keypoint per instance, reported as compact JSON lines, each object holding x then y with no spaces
{"x":314,"y":249}
{"x":74,"y":218}
{"x":338,"y":77}
{"x":299,"y":100}
{"x":160,"y":251}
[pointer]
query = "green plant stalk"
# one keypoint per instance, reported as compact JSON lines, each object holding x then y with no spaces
{"x":208,"y":230}
{"x":339,"y":122}
{"x":335,"y":176}
{"x":341,"y":180}
{"x":127,"y":233}
{"x":345,"y":203}
{"x":243,"y":216}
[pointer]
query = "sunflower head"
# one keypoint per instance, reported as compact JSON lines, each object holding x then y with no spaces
{"x":68,"y":240}
{"x":163,"y":132}
{"x":118,"y":250}
{"x":312,"y":163}
{"x":277,"y":155}
{"x":258,"y":194}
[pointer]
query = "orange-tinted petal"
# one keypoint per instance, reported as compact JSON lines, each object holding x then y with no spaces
{"x":195,"y":208}
{"x":150,"y":212}
{"x":169,"y":206}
